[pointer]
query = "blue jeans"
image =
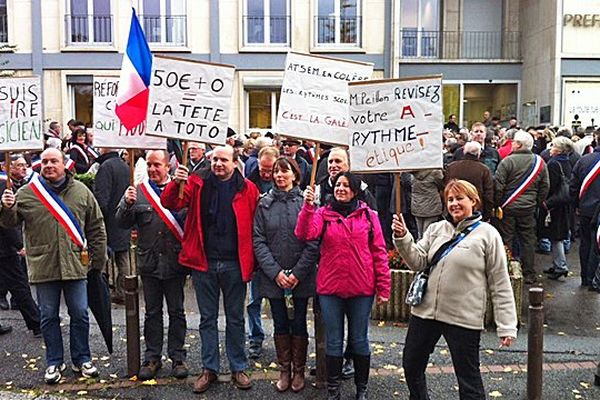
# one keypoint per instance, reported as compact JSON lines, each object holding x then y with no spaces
{"x":282,"y":325}
{"x":48,"y":297}
{"x":357,"y":310}
{"x":256,"y":333}
{"x":222,"y":276}
{"x":559,"y":260}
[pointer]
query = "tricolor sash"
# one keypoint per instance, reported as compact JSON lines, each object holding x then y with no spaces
{"x":589,"y":178}
{"x":535,"y":171}
{"x":82,"y":152}
{"x":3,"y":176}
{"x":59,"y":210}
{"x":152,"y":194}
{"x":69,"y":164}
{"x":92,"y":152}
{"x":36,"y":165}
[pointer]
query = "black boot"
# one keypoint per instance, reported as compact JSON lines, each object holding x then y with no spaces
{"x":334,"y":375}
{"x":362,"y":365}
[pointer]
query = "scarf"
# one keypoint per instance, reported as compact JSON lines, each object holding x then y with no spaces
{"x":344,"y":208}
{"x":217,"y":198}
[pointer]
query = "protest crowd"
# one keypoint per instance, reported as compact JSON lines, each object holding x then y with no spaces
{"x":249,"y":226}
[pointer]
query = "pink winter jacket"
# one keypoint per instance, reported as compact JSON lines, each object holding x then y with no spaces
{"x":349,"y":266}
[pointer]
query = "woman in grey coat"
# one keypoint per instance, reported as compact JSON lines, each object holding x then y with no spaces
{"x":287,"y":270}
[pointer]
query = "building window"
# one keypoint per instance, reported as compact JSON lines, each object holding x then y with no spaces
{"x":81,"y":102}
{"x":88,"y":22}
{"x":420,"y":34}
{"x":338,"y":23}
{"x":164,"y":21}
{"x":266,"y":23}
{"x":262,"y":108}
{"x":3,"y":22}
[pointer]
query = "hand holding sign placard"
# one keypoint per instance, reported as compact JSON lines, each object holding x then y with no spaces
{"x":396,"y":125}
{"x":314,"y":97}
{"x":21,"y":114}
{"x":109,"y":132}
{"x":190,"y":100}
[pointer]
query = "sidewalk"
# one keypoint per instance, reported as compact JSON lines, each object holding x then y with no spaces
{"x":571,"y":344}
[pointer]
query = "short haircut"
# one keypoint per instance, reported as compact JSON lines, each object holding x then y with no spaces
{"x":164,"y":153}
{"x":476,"y":124}
{"x":510,"y":134}
{"x":465,"y":188}
{"x":269,"y":151}
{"x":286,"y":164}
{"x":564,"y":131}
{"x":563,"y":144}
{"x":473,"y":148}
{"x":263,"y":142}
{"x":524,"y":139}
{"x":53,"y":125}
{"x":228,"y":147}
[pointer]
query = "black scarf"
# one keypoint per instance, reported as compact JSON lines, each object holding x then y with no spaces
{"x":344,"y":208}
{"x":217,"y":196}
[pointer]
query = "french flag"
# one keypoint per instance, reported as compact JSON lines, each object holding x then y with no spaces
{"x":132,"y":96}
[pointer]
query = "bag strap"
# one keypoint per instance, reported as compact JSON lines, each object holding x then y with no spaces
{"x":444,"y":249}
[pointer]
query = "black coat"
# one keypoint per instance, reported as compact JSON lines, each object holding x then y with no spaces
{"x":11,"y":239}
{"x":112,"y":180}
{"x":82,"y":164}
{"x":276,"y":247}
{"x":558,"y":229}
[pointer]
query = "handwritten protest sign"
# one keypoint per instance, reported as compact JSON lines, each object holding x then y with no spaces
{"x":21,"y":114}
{"x":108,"y":131}
{"x":314,"y":97}
{"x":190,"y":100}
{"x":396,"y":124}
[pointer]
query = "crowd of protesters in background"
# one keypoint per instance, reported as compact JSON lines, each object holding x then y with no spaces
{"x":250,"y":210}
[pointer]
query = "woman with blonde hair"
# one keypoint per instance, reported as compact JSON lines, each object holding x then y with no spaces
{"x":463,"y":257}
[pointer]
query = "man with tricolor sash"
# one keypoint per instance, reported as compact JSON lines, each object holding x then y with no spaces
{"x":522,"y":184}
{"x":585,"y":192}
{"x":160,"y":232}
{"x":64,"y":237}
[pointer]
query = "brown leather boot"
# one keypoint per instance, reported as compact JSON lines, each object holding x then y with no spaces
{"x":283,"y":346}
{"x":204,"y":381}
{"x":299,"y":346}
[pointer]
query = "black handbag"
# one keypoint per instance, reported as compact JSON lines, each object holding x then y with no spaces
{"x":561,"y":197}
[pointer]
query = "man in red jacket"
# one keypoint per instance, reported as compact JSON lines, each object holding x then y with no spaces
{"x":217,"y":246}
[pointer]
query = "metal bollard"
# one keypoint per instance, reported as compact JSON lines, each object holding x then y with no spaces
{"x":132,"y":321}
{"x":535,"y":344}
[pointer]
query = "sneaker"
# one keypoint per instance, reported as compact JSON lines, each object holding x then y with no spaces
{"x":87,"y":370}
{"x":53,"y":373}
{"x":180,"y":370}
{"x":149,"y":370}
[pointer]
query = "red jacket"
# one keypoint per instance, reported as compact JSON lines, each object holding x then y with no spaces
{"x":351,"y":265}
{"x":192,"y":253}
{"x":506,"y":149}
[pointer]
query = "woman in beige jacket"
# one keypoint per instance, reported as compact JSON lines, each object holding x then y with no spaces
{"x":455,"y":300}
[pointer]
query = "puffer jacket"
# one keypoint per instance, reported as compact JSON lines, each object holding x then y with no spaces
{"x":426,"y":201}
{"x":51,"y":254}
{"x":510,"y":174}
{"x":457,"y":286}
{"x":276,"y":247}
{"x":353,"y":260}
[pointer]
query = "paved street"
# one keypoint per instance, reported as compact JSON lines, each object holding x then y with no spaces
{"x":571,"y":347}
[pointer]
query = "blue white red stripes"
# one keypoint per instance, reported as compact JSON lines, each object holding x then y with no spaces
{"x":165,"y":215}
{"x":538,"y":165}
{"x":133,"y":92}
{"x":589,"y":179}
{"x":59,"y":210}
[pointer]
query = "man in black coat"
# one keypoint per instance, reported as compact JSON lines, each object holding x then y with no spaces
{"x":112,"y":180}
{"x":12,"y":268}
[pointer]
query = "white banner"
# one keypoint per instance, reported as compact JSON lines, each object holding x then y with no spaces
{"x":314,"y":97}
{"x":190,"y":100}
{"x":21,"y":118}
{"x":396,"y":125}
{"x":108,"y":131}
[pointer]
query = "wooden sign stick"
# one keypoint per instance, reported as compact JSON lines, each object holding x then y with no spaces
{"x":315,"y":165}
{"x":131,"y":166}
{"x":398,"y":207}
{"x":7,"y":162}
{"x":184,"y":161}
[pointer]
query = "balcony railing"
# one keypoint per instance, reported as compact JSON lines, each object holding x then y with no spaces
{"x":168,"y":30}
{"x":460,"y":45}
{"x":338,"y":31}
{"x":88,"y":29}
{"x":273,"y":30}
{"x":3,"y":29}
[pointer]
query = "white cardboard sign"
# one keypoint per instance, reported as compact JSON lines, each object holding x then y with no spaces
{"x":108,"y":130}
{"x":396,"y":125}
{"x":190,"y":100}
{"x":314,"y":97}
{"x":21,"y":118}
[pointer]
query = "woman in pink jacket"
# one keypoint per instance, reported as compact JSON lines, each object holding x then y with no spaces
{"x":353,"y":269}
